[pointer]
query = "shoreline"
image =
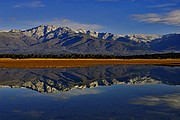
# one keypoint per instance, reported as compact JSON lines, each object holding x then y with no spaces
{"x":68,"y":63}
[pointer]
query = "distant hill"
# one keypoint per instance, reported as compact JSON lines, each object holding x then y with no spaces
{"x":47,"y":39}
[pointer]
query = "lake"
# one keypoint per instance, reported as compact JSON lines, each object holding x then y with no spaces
{"x":113,"y":92}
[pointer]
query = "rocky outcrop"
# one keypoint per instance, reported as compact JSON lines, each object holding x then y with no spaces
{"x":143,"y":81}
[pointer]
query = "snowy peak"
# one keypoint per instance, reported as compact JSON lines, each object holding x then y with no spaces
{"x":49,"y":39}
{"x":51,"y":31}
{"x":142,"y":37}
{"x":132,"y":37}
{"x":47,"y":31}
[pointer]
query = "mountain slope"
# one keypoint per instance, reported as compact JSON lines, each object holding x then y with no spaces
{"x":46,"y":39}
{"x":170,"y":42}
{"x":10,"y":42}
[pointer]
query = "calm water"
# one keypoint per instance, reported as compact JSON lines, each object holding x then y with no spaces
{"x":123,"y":92}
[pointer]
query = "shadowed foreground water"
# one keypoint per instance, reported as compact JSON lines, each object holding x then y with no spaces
{"x":122,"y":92}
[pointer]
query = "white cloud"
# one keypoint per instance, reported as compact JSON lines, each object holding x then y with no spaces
{"x":162,"y":5}
{"x":32,"y":4}
{"x":65,"y":23}
{"x":29,"y":113}
{"x":170,"y":18}
{"x":68,"y":94}
{"x":74,"y":93}
{"x":74,"y":25}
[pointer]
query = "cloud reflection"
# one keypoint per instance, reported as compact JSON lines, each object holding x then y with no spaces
{"x":74,"y":93}
{"x":170,"y":100}
{"x":67,"y":94}
{"x":29,"y":113}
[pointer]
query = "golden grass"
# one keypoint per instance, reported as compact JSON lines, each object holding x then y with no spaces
{"x":64,"y":63}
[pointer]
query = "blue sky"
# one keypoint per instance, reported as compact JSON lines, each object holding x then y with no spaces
{"x":116,"y":16}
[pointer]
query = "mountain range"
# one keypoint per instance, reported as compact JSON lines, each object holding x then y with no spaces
{"x":65,"y":79}
{"x":49,"y":39}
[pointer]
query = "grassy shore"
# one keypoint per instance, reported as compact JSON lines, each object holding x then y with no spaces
{"x":65,"y":63}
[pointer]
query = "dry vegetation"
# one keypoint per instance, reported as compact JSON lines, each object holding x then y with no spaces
{"x":61,"y":63}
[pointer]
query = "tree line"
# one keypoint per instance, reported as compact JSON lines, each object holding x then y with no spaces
{"x":92,"y":56}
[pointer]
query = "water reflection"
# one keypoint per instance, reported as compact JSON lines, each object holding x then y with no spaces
{"x":145,"y":93}
{"x":64,"y":79}
{"x":119,"y":102}
{"x":170,"y":100}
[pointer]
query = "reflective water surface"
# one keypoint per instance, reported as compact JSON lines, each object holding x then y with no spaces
{"x":121,"y":92}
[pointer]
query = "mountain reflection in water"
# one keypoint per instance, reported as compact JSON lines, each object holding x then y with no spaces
{"x":146,"y":93}
{"x":65,"y":79}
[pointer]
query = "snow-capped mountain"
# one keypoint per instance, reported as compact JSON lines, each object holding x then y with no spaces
{"x":49,"y":39}
{"x":50,"y":31}
{"x":132,"y":37}
{"x":54,"y":80}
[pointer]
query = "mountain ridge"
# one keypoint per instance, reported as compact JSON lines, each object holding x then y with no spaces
{"x":49,"y":39}
{"x":65,"y":79}
{"x":101,"y":35}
